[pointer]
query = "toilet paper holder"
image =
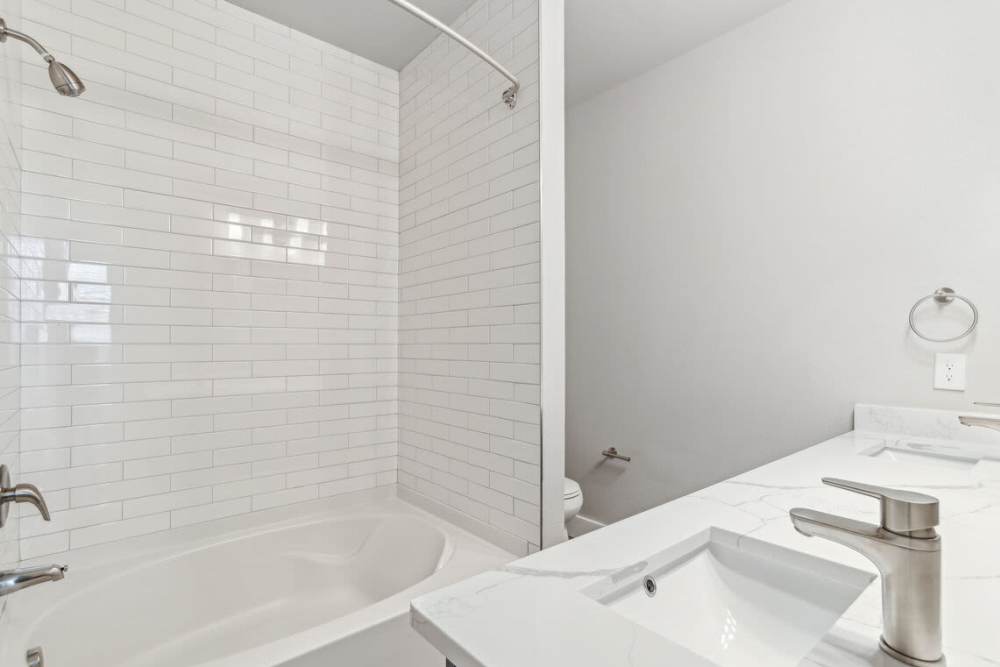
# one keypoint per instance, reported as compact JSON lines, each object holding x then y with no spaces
{"x":612,"y":453}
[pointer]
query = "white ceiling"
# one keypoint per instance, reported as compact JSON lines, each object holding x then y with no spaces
{"x":611,"y":41}
{"x":375,"y":29}
{"x":607,"y":41}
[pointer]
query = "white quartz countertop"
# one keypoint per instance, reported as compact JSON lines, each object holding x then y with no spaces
{"x":532,"y":612}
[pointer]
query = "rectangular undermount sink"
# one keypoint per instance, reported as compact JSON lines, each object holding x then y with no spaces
{"x":735,"y":600}
{"x":955,"y":456}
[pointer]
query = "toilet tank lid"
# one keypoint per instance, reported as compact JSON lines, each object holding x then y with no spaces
{"x":570,"y":488}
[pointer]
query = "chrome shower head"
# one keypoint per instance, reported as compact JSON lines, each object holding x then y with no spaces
{"x":65,"y":80}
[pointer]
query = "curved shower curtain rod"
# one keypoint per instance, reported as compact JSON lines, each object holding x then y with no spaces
{"x":509,"y":95}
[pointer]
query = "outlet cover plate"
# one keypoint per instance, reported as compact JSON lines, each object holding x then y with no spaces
{"x":949,"y":372}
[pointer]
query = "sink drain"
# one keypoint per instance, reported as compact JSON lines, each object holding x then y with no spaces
{"x":649,"y":585}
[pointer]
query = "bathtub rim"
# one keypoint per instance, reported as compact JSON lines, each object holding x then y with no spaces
{"x":463,"y":554}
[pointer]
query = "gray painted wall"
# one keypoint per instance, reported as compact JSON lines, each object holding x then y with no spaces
{"x":748,"y":226}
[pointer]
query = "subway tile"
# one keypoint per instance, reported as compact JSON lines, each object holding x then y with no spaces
{"x":32,"y":440}
{"x":174,"y":205}
{"x":110,"y":373}
{"x":349,"y":485}
{"x":69,"y":188}
{"x":136,"y":82}
{"x":285,"y":497}
{"x":167,"y":464}
{"x":213,"y":370}
{"x":210,"y":476}
{"x":72,"y":478}
{"x":118,"y":530}
{"x":210,"y":512}
{"x":120,"y":138}
{"x":119,"y":451}
{"x":210,"y":441}
{"x":255,"y":419}
{"x":69,"y":519}
{"x":154,"y":164}
{"x":118,"y":490}
{"x":211,"y":406}
{"x":119,"y":412}
{"x":114,"y":215}
{"x":245,"y":488}
{"x":139,"y":391}
{"x":162,"y":427}
{"x":44,"y":545}
{"x":219,"y":310}
{"x":213,"y":157}
{"x":49,"y":459}
{"x":175,"y":352}
{"x":166,"y":502}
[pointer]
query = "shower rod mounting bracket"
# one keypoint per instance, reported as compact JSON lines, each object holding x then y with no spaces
{"x":509,"y":95}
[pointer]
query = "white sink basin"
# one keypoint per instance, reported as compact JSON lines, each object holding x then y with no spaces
{"x":735,"y":600}
{"x":953,"y":456}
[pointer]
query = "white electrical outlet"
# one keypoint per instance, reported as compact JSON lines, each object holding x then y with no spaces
{"x":949,"y":372}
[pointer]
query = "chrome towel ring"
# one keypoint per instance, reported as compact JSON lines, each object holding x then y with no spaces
{"x":944,"y":295}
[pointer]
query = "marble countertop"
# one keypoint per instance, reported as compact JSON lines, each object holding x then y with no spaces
{"x":532,"y":612}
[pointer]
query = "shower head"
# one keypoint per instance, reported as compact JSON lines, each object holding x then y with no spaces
{"x":65,"y":81}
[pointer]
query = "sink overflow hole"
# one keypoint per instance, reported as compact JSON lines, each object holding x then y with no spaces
{"x":35,"y":658}
{"x":649,"y":585}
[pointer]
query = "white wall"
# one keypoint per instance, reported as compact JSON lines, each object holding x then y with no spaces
{"x":211,"y":263}
{"x":552,"y":149}
{"x":469,"y":278}
{"x":749,"y":224}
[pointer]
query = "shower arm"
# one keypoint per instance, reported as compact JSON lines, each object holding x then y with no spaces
{"x":509,"y":95}
{"x":63,"y":79}
{"x":6,"y":32}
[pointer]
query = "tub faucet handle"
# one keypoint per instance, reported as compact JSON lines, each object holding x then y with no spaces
{"x":26,"y":493}
{"x":903,"y":512}
{"x":19,"y":493}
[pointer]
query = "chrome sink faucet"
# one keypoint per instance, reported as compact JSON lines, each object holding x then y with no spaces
{"x":982,"y":422}
{"x":907,"y":552}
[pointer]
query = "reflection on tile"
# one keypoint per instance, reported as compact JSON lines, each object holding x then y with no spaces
{"x":92,"y":293}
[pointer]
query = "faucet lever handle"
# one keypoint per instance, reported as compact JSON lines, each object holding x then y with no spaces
{"x":903,"y":512}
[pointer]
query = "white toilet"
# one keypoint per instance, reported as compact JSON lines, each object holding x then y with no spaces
{"x":572,"y":501}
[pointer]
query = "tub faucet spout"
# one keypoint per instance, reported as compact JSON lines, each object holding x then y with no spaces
{"x":906,"y":550}
{"x":15,"y":580}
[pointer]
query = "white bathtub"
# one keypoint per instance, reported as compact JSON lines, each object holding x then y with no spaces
{"x":330,"y":586}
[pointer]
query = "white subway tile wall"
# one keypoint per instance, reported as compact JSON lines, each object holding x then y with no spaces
{"x":10,"y":186}
{"x":469,"y":276}
{"x":210,"y":242}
